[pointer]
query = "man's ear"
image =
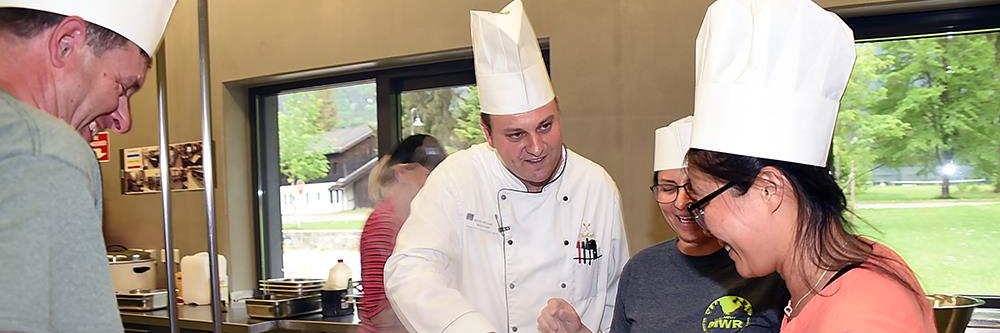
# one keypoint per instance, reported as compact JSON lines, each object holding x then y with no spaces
{"x":486,"y":133}
{"x":773,"y":187}
{"x":67,"y":39}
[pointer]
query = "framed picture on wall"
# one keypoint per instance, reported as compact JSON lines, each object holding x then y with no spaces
{"x":141,"y":168}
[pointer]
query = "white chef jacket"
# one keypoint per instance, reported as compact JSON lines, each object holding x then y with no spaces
{"x":453,"y":270}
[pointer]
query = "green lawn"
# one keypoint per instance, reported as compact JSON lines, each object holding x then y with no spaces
{"x":950,"y":248}
{"x":913,"y":193}
{"x":326,"y":225}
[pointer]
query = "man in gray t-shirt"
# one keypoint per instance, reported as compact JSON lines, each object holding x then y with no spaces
{"x":55,"y":277}
{"x":68,"y":69}
{"x":689,"y":284}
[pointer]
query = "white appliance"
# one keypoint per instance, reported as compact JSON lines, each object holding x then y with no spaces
{"x":132,"y":270}
{"x":197,"y":285}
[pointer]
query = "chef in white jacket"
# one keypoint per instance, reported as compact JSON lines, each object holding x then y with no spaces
{"x":504,"y":228}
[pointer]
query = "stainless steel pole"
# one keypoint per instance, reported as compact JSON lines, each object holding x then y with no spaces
{"x":168,"y":239}
{"x":208,"y":165}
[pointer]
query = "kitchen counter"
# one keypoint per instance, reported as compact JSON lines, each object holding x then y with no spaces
{"x":199,"y":318}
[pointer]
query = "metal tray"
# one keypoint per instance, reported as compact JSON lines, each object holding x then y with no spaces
{"x":292,"y":283}
{"x":284,"y":288}
{"x":142,"y":300}
{"x":290,"y":293}
{"x":274,"y":306}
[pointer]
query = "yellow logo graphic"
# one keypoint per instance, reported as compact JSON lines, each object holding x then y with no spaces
{"x":727,"y":314}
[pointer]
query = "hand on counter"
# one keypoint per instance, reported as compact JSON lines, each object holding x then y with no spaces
{"x":559,"y":316}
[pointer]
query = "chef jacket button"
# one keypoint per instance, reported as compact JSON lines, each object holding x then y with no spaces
{"x":503,"y":197}
{"x":563,"y":285}
{"x":512,"y":285}
{"x":514,"y":328}
{"x":566,"y":242}
{"x":565,"y":198}
{"x":510,"y":242}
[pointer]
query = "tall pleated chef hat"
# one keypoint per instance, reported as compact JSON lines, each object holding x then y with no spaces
{"x":672,"y":143}
{"x":769,"y":78}
{"x":510,"y":72}
{"x":140,"y":21}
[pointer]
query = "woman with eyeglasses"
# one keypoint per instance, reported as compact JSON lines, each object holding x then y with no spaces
{"x":689,"y":284}
{"x":393,"y":182}
{"x":769,"y":79}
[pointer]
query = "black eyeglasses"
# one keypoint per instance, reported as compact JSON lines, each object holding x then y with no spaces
{"x":667,"y":193}
{"x":697,"y":208}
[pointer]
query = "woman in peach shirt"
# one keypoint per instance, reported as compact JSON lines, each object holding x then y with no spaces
{"x":787,"y":217}
{"x":770,"y":75}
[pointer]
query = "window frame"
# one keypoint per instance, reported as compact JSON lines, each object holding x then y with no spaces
{"x":925,"y":24}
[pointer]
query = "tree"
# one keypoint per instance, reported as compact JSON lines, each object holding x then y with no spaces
{"x":996,"y":118}
{"x":355,"y":105}
{"x":986,"y":142}
{"x":943,"y":88}
{"x":445,"y":113}
{"x":326,"y":109}
{"x":300,"y":133}
{"x":467,"y":128}
{"x":860,"y":131}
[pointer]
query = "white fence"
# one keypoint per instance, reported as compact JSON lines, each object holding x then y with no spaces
{"x":311,"y":199}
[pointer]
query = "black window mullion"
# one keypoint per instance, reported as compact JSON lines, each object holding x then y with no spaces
{"x":267,"y":204}
{"x":960,"y":20}
{"x":387,"y":100}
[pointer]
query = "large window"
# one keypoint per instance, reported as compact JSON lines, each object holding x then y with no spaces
{"x":326,"y":149}
{"x":317,"y":139}
{"x":917,"y":146}
{"x":317,"y":142}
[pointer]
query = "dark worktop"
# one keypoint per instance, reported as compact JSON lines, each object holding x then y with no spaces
{"x":237,"y":321}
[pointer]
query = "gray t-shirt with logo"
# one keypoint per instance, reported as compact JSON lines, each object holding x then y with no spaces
{"x":53,"y":273}
{"x":663,"y":290}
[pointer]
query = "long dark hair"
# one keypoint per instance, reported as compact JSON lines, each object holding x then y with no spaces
{"x":824,"y":235}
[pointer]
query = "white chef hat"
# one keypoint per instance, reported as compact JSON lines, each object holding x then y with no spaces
{"x":510,"y":71}
{"x":769,"y":78}
{"x":672,"y":143}
{"x":140,"y":21}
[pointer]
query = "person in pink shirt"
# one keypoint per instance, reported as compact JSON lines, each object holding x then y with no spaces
{"x":770,"y":76}
{"x":394,"y":182}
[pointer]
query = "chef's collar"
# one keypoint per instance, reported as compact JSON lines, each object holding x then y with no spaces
{"x":558,"y":174}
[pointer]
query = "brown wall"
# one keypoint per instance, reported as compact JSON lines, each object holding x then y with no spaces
{"x":621,"y":69}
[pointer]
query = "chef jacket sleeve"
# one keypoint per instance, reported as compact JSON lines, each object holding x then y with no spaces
{"x":419,"y":280}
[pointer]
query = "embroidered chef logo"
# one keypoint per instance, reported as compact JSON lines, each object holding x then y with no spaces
{"x":727,"y":314}
{"x":586,"y":246}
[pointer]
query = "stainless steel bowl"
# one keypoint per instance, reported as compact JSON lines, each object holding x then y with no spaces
{"x":952,"y":312}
